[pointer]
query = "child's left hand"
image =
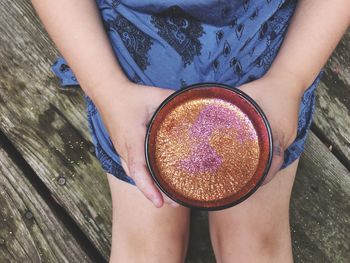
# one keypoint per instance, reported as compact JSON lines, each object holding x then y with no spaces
{"x":279,"y":98}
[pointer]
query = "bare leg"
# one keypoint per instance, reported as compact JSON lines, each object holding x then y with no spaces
{"x":143,"y":233}
{"x":257,"y":230}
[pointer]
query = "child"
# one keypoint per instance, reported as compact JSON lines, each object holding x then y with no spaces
{"x":272,"y":50}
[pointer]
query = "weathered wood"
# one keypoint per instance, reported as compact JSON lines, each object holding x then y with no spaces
{"x":332,"y":119}
{"x":320,"y":207}
{"x":200,"y":249}
{"x":332,"y":116}
{"x":339,"y":63}
{"x":49,"y":126}
{"x":29,"y":229}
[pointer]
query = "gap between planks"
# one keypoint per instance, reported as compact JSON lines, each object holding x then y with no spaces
{"x":45,"y":193}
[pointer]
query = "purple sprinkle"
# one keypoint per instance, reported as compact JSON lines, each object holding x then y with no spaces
{"x":203,"y":159}
{"x":213,"y":117}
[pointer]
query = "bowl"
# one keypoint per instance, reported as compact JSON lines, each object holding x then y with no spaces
{"x":208,"y":146}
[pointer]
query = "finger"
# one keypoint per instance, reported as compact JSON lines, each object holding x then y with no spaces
{"x":139,"y":173}
{"x":144,"y":183}
{"x":125,"y":166}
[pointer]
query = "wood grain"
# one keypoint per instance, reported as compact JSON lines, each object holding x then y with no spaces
{"x":29,"y":229}
{"x":332,"y":116}
{"x":48,"y":126}
{"x":320,"y":207}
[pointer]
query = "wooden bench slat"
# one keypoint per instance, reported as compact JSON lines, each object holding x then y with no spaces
{"x":320,"y":206}
{"x":332,"y":119}
{"x":332,"y":116}
{"x":339,"y":63}
{"x":29,"y":230}
{"x":49,"y":126}
{"x":200,"y":249}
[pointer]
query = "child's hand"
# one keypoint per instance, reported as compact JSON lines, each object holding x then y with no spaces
{"x":279,"y":98}
{"x":126,"y":109}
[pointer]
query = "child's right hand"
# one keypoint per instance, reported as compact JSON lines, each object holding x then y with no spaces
{"x":126,"y":109}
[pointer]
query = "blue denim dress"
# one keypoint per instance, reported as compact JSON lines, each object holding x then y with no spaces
{"x":175,"y":43}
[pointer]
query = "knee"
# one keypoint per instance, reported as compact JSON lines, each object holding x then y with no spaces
{"x":252,"y":242}
{"x":269,"y":240}
{"x":168,"y":245}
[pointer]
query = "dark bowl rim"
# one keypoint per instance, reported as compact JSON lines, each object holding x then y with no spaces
{"x":246,"y":97}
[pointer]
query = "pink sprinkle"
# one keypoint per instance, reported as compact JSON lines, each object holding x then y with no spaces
{"x":213,"y":117}
{"x":203,"y":159}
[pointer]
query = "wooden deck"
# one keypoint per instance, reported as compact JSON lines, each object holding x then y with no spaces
{"x":54,"y":197}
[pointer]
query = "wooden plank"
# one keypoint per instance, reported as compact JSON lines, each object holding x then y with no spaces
{"x":332,"y":119}
{"x":49,"y":126}
{"x":339,"y":63}
{"x":332,"y":116}
{"x":29,"y":229}
{"x":320,"y":207}
{"x":200,"y":249}
{"x":42,"y":120}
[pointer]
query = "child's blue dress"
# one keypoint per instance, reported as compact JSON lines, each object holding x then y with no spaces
{"x":175,"y":43}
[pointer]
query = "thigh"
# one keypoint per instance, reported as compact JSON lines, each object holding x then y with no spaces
{"x":257,"y":230}
{"x":142,"y":232}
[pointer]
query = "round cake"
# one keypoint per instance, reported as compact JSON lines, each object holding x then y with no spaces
{"x":208,"y":146}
